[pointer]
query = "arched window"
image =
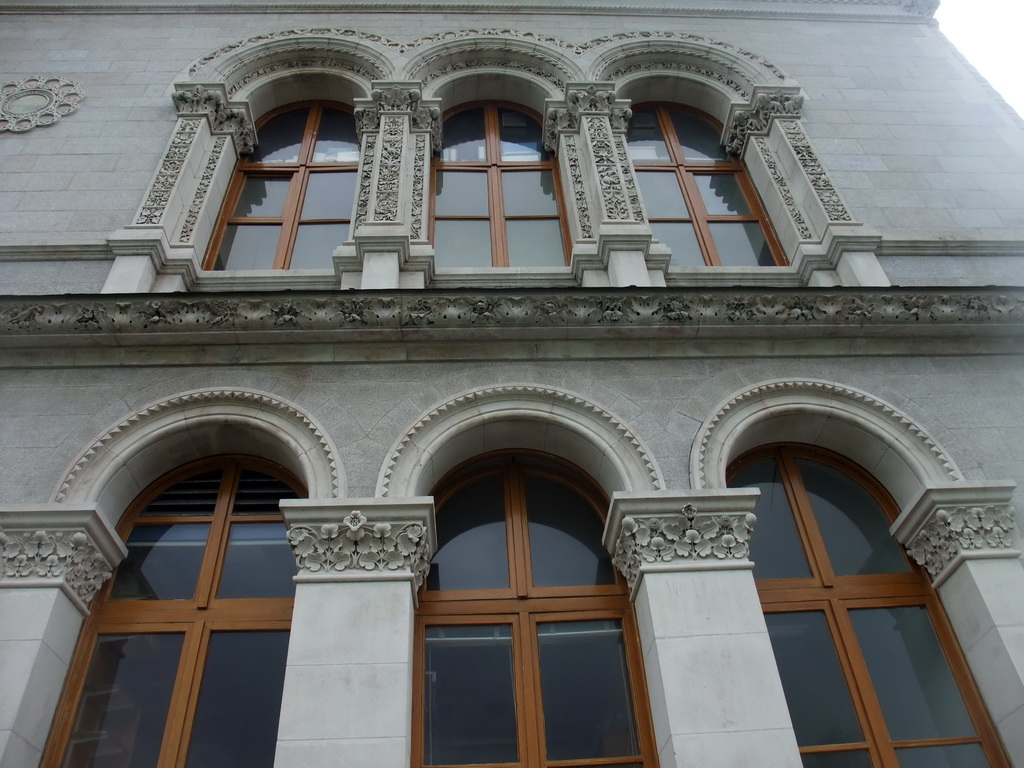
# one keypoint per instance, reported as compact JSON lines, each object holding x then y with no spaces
{"x":182,"y":660}
{"x":699,"y":200}
{"x":872,"y":674}
{"x":290,"y":202}
{"x":496,"y":196}
{"x":527,"y":648}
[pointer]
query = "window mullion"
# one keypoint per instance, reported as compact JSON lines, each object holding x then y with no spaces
{"x":807,"y":525}
{"x":532,"y":729}
{"x":699,"y":216}
{"x":181,"y":712}
{"x":496,"y":209}
{"x":290,"y":213}
{"x":216,"y":539}
{"x":518,"y":532}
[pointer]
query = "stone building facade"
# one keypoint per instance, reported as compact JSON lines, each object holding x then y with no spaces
{"x":884,"y":335}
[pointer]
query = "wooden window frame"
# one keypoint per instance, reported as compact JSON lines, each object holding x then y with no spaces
{"x":836,"y":596}
{"x":686,"y":172}
{"x":298,"y":174}
{"x":523,"y":606}
{"x":493,"y":167}
{"x":194,"y":619}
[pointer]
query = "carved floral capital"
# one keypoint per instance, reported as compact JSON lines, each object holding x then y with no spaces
{"x":951,"y":523}
{"x":657,"y":533}
{"x":757,"y":117}
{"x":212,"y":100}
{"x":584,"y":99}
{"x":69,"y":549}
{"x":399,"y":98}
{"x":368,"y":540}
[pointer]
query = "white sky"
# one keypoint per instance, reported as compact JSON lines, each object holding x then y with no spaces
{"x":990,"y":34}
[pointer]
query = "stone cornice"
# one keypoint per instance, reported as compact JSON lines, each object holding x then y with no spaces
{"x":882,"y":10}
{"x":287,"y":317}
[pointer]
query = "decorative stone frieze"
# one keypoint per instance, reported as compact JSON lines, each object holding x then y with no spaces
{"x":860,"y":313}
{"x":756,"y":117}
{"x":37,"y":100}
{"x":664,"y":531}
{"x":55,"y":546}
{"x":361,"y":539}
{"x":951,"y":523}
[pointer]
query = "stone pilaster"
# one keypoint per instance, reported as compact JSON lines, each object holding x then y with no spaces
{"x":53,"y":560}
{"x":966,"y":538}
{"x":398,"y":131}
{"x":348,"y":682}
{"x":715,"y":690}
{"x":587,"y":130}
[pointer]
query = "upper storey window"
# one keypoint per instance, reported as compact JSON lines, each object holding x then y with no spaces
{"x":496,"y":201}
{"x":699,"y":200}
{"x":290,"y":203}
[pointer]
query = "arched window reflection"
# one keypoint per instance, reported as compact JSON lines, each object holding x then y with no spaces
{"x":872,"y":674}
{"x":528,"y":652}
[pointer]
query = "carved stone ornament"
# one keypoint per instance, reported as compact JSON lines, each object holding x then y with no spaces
{"x":69,"y":557}
{"x":223,"y":119}
{"x":582,"y":99}
{"x":688,"y":535}
{"x":400,"y":98}
{"x":758,"y":117}
{"x":356,"y":544}
{"x":956,"y":531}
{"x":37,"y":100}
{"x":844,"y":313}
{"x":796,"y":214}
{"x":822,"y":185}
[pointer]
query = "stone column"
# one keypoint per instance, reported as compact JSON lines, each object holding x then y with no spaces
{"x":398,"y":130}
{"x":348,"y":683}
{"x":716,"y":695}
{"x":158,"y":250}
{"x":612,"y":240}
{"x":966,"y":537}
{"x":54,"y":559}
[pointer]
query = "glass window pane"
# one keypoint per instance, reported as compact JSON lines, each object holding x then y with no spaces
{"x":859,"y":759}
{"x":588,"y":706}
{"x":329,"y":195}
{"x":258,"y":562}
{"x":469,"y":706}
{"x":529,"y":193}
{"x":195,"y":496}
{"x":463,"y":137}
{"x":913,"y":682}
{"x":565,"y":537}
{"x":240,"y":701}
{"x":958,"y":756}
{"x":262,"y":197}
{"x":315,"y":244}
{"x":534,"y":243}
{"x":471,"y":547}
{"x":162,"y":564}
{"x":280,"y":138}
{"x":682,"y":240}
{"x":260,"y":494}
{"x":460,"y":194}
{"x":816,"y":691}
{"x":248,"y":246}
{"x":741,"y":244}
{"x":722,"y":195}
{"x":700,"y":140}
{"x":855,"y":529}
{"x":776,"y":548}
{"x":663,"y":197}
{"x":462,"y":243}
{"x":644,"y":138}
{"x":336,"y":138}
{"x":121,"y":716}
{"x":521,"y":139}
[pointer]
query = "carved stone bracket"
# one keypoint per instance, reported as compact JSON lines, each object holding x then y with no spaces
{"x":755,"y":117}
{"x":703,"y":530}
{"x":225,"y":117}
{"x":949,"y":524}
{"x":361,"y":539}
{"x":56,"y":546}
